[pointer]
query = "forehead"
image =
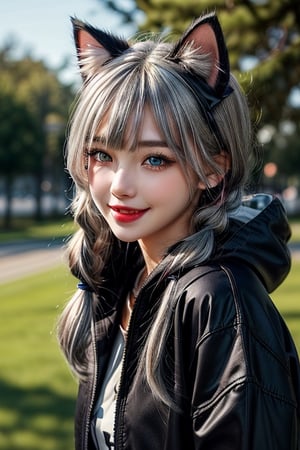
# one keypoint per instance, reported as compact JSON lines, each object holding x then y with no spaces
{"x":148,"y":126}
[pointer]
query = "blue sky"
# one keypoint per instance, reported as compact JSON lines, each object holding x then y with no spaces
{"x":43,"y":27}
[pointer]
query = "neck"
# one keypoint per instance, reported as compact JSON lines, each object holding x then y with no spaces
{"x":152,"y":257}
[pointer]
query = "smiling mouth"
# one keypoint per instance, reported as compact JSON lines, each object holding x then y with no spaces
{"x":126,"y":214}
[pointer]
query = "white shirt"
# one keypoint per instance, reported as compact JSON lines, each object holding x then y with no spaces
{"x":104,"y":412}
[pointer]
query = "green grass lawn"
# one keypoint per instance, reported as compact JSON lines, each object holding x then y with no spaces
{"x":295,"y":227}
{"x":37,"y":391}
{"x":23,"y":229}
{"x":287,"y":299}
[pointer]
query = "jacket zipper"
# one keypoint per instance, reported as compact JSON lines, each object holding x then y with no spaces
{"x":119,"y":411}
{"x":120,"y":407}
{"x":93,"y":392}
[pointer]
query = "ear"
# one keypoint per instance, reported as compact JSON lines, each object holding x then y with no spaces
{"x":215,"y":178}
{"x":206,"y":36}
{"x":94,"y":43}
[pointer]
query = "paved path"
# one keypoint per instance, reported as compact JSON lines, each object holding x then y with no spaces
{"x":25,"y":258}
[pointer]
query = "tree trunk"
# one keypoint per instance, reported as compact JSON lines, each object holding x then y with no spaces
{"x":38,"y":195}
{"x":8,"y":193}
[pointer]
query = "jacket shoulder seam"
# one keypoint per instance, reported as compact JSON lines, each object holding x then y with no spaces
{"x":239,"y":383}
{"x":244,"y":324}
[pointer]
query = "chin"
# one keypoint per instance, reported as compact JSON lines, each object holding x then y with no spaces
{"x":123,"y":238}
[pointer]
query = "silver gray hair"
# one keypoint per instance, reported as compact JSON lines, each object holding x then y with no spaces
{"x":118,"y":93}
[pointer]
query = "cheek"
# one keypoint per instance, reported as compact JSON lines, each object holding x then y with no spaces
{"x":178,"y":186}
{"x":98,"y":186}
{"x":174,"y":194}
{"x":91,"y":175}
{"x":97,"y":177}
{"x":163,"y":192}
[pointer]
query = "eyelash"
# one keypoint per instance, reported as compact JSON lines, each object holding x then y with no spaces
{"x":165,"y":161}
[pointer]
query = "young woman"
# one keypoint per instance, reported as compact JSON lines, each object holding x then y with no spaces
{"x":171,"y":332}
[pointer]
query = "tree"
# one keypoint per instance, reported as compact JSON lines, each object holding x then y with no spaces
{"x":19,"y":149}
{"x":282,"y":152}
{"x":31,"y":87}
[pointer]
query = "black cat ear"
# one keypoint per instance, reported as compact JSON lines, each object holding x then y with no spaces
{"x":206,"y":36}
{"x":94,"y":47}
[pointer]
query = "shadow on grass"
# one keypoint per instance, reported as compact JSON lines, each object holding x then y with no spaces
{"x":290,"y":314}
{"x":35,"y":419}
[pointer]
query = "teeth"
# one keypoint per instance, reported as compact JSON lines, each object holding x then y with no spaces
{"x":126,"y":211}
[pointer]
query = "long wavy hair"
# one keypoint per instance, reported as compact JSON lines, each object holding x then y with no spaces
{"x":117,"y":93}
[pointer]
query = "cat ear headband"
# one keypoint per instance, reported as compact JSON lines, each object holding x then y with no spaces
{"x":96,"y":47}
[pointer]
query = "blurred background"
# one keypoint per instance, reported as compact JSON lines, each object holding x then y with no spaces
{"x":38,"y":83}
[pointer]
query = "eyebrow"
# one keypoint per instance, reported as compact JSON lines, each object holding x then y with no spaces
{"x":152,"y":143}
{"x":145,"y":143}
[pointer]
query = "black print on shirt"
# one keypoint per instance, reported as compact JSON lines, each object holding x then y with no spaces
{"x":108,"y":442}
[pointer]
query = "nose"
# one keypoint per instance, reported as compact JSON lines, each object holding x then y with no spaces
{"x":123,"y":183}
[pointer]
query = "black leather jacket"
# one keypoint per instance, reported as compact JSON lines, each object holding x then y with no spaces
{"x":232,"y":366}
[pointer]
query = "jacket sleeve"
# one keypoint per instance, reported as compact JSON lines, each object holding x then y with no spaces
{"x":239,"y":381}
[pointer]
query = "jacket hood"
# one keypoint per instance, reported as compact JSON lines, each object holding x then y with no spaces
{"x":257,"y":236}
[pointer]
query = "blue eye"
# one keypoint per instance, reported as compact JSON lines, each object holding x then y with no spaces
{"x":156,"y":161}
{"x":103,"y":157}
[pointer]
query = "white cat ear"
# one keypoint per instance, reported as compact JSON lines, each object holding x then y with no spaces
{"x":205,"y":35}
{"x":94,"y":47}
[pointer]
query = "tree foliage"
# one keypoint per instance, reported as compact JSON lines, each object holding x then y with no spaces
{"x":30,"y":97}
{"x":19,"y":136}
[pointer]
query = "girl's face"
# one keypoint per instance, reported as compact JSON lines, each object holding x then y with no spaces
{"x":143,"y":194}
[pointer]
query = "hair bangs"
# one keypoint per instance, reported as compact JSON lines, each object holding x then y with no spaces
{"x":178,"y":118}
